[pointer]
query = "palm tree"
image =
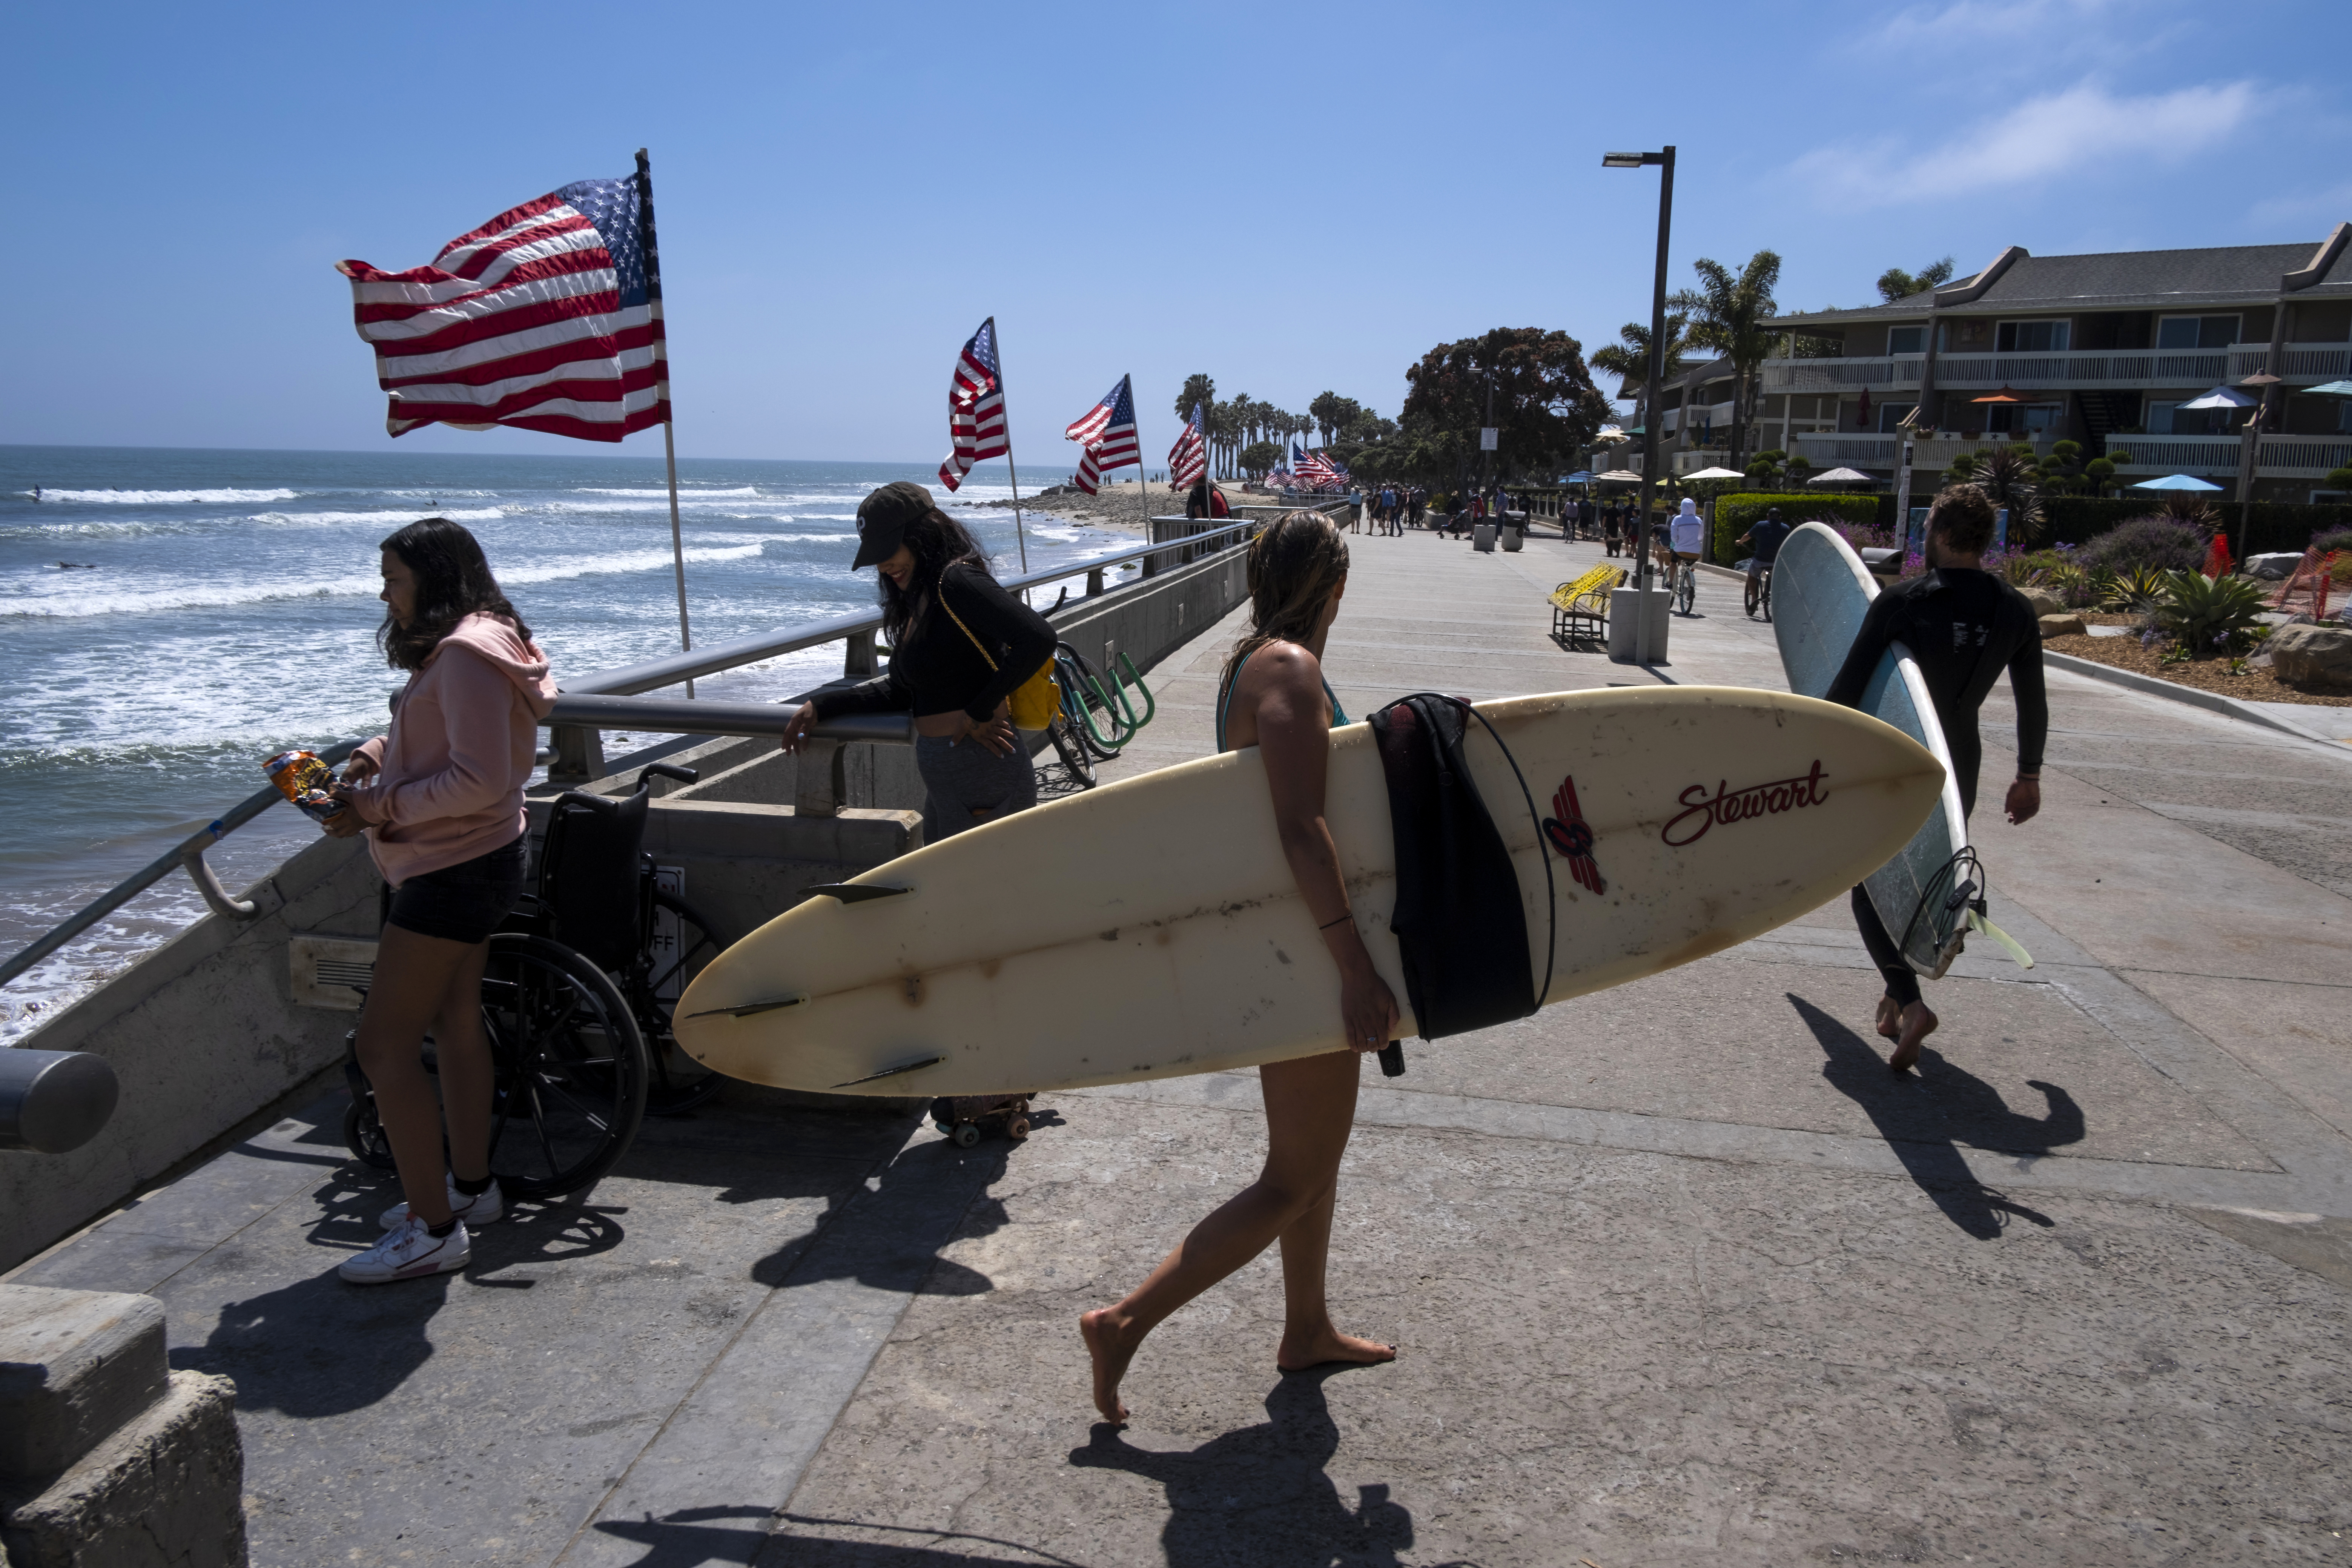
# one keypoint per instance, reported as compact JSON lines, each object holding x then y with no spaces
{"x":1896,"y":284}
{"x":2006,"y":477}
{"x":1726,"y":315}
{"x":1629,"y":361}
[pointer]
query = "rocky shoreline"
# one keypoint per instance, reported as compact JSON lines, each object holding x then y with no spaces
{"x":1121,"y":507}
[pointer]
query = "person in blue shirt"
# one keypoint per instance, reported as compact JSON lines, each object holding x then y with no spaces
{"x":1765,"y":539}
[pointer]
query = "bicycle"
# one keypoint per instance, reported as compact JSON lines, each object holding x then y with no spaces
{"x":1759,"y":594}
{"x":573,"y":1075}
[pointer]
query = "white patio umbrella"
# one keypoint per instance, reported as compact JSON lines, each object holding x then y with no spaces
{"x":2175,"y":482}
{"x":1717,"y":474}
{"x":1618,"y":477}
{"x":2221,"y":397}
{"x":1841,"y":477}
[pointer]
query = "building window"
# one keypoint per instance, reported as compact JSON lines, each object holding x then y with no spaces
{"x":2196,"y":331}
{"x":2170,"y":419}
{"x":2033,"y":337}
{"x":1891,"y":416}
{"x":2027,"y":421}
{"x":1906,"y":339}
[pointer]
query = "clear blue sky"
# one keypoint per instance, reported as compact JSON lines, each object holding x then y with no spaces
{"x":1291,"y":197}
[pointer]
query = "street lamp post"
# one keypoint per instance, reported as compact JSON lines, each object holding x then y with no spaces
{"x":1664,"y":160}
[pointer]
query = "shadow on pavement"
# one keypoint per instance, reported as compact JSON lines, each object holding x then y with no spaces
{"x":1925,"y":1118}
{"x":695,"y":1536}
{"x":928,"y":1194}
{"x":292,"y":1349}
{"x":1260,"y":1495}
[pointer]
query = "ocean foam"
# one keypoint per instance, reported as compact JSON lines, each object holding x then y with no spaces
{"x":223,"y":594}
{"x":165,"y":498}
{"x":685,"y":493}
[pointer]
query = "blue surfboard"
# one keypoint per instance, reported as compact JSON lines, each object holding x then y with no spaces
{"x":1821,"y":590}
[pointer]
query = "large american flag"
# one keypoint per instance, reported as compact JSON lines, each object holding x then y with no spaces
{"x":547,"y":317}
{"x":1107,"y":437}
{"x":975,"y":407}
{"x":1314,"y":472}
{"x":1188,"y":460}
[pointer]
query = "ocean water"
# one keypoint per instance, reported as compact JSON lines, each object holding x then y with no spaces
{"x":168,"y":618}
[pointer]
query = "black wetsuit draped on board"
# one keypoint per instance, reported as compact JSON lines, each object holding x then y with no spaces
{"x":1964,"y":628}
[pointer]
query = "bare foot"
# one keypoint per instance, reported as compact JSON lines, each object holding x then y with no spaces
{"x":1917,"y":1025}
{"x":1110,"y":1345}
{"x":1890,"y":1017}
{"x":1298,"y":1352}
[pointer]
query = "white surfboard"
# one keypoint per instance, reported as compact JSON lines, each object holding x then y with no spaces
{"x":1150,"y":928}
{"x":1820,"y":591}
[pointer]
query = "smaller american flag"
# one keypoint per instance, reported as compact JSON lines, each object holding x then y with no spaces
{"x":1316,"y":471}
{"x":1188,"y":460}
{"x":975,"y":407}
{"x":1107,"y":432}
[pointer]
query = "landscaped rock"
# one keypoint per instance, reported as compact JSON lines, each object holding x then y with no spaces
{"x":2064,"y":626}
{"x":2045,"y":602}
{"x":2316,"y":656}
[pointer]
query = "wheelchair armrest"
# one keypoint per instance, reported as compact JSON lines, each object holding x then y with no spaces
{"x":667,"y":771}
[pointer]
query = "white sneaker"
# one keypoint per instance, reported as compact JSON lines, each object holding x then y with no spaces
{"x":483,"y":1209}
{"x":411,"y":1252}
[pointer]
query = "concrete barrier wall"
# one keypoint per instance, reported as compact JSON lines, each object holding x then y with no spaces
{"x":205,"y":1033}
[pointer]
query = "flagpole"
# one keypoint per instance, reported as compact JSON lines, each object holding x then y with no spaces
{"x":1019,"y":534}
{"x":669,"y":439}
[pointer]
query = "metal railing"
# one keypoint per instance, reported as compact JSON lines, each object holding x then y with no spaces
{"x":613,"y":700}
{"x":2061,"y":370}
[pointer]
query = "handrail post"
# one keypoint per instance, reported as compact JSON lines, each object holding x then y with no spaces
{"x":215,"y":897}
{"x":578,"y":756}
{"x":859,"y":658}
{"x":818,"y":782}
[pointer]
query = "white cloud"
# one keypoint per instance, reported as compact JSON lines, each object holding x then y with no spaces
{"x":2038,"y":140}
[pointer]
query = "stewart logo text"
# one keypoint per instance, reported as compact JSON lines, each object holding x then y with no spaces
{"x":1702,"y":810}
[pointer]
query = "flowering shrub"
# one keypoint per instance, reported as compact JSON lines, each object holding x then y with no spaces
{"x":2155,"y":540}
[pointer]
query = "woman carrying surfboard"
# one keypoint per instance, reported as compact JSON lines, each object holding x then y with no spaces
{"x":960,"y":644}
{"x":1273,"y":696}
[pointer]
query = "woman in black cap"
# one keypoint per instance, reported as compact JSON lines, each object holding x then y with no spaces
{"x":960,"y":644}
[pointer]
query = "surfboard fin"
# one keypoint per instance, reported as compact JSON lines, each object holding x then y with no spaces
{"x":2008,"y":944}
{"x":892,"y":1072}
{"x":748,"y":1008}
{"x":852,"y":892}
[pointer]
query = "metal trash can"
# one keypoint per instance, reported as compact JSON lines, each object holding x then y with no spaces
{"x":1511,"y":539}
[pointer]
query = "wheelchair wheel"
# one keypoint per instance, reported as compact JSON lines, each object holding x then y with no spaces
{"x":681,"y":942}
{"x":570,"y":1067}
{"x":364,"y":1135}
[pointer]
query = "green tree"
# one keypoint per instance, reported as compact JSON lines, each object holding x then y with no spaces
{"x":1546,"y":406}
{"x":1259,"y":456}
{"x":2338,"y":479}
{"x":1726,"y":314}
{"x":1197,"y":389}
{"x":1628,"y":360}
{"x":1896,"y":284}
{"x":1765,"y":469}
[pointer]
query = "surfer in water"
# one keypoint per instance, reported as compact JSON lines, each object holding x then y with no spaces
{"x":1273,"y":696}
{"x":1964,"y":626}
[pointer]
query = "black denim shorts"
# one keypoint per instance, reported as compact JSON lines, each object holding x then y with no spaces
{"x":465,"y":902}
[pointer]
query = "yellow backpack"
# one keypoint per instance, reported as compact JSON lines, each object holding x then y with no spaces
{"x":1036,"y":702}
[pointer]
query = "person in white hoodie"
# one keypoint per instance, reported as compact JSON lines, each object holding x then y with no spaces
{"x":440,"y":799}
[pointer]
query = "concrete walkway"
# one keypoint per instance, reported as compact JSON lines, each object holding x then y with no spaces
{"x":1680,"y":1271}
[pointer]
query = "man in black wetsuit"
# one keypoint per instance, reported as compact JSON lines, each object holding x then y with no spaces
{"x":1964,"y":626}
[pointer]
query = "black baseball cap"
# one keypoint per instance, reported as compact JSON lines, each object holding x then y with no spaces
{"x":882,"y":520}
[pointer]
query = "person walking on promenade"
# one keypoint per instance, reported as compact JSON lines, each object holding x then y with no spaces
{"x":960,"y":645}
{"x":1420,"y":505}
{"x":1205,"y":499}
{"x":1273,"y":696}
{"x":439,"y":796}
{"x":1610,"y":535}
{"x":1964,"y":626}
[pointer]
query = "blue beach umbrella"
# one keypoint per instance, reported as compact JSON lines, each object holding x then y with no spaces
{"x":2175,"y":482}
{"x":2332,"y":389}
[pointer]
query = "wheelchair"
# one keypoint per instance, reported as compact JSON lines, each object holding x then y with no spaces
{"x":577,"y":1000}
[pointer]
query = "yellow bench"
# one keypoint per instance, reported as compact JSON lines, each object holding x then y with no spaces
{"x":1581,"y":607}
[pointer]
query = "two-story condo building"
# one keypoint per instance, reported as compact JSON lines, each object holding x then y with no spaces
{"x":2103,"y":350}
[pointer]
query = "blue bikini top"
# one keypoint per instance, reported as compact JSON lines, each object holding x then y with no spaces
{"x":1225,"y":698}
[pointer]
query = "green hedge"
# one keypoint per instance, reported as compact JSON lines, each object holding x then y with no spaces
{"x":1734,"y":513}
{"x":2272,"y":525}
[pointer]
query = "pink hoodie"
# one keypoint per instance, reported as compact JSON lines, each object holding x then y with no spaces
{"x":465,"y":734}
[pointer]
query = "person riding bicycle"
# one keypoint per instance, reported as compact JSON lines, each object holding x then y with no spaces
{"x":1685,"y":541}
{"x":1765,"y":537}
{"x":960,"y":647}
{"x":439,"y":796}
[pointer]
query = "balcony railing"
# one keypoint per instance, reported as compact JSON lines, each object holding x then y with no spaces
{"x":1959,"y":371}
{"x":2281,"y":456}
{"x":1862,"y":450}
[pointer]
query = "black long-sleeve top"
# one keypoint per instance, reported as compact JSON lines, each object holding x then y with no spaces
{"x":1964,"y":628}
{"x":936,"y":668}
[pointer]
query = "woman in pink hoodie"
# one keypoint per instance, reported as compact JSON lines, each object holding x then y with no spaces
{"x":440,"y":799}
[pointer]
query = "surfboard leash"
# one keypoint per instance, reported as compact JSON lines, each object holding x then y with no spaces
{"x":1959,"y":884}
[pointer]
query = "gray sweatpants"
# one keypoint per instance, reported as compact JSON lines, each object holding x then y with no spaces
{"x":960,"y":777}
